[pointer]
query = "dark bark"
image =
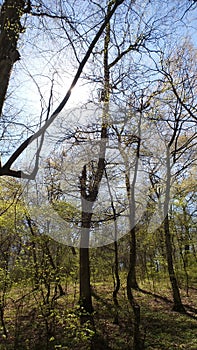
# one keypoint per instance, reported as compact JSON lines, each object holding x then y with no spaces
{"x":131,"y":277}
{"x":117,"y":283}
{"x":10,"y":29}
{"x":137,"y":339}
{"x":89,"y":192}
{"x":132,"y":232}
{"x":178,"y":306}
{"x":85,"y":287}
{"x":132,"y":259}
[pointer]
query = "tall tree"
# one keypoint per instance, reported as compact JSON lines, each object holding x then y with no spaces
{"x":177,"y":132}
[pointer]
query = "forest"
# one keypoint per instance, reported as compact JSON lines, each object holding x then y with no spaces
{"x":98,"y":239}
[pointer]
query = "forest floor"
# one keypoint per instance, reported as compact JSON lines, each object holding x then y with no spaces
{"x":161,"y":328}
{"x":28,"y":321}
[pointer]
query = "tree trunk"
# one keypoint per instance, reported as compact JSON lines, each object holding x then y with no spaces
{"x":117,"y":283}
{"x":131,"y":277}
{"x":10,"y":29}
{"x":116,"y":260}
{"x":178,"y":306}
{"x":137,"y":340}
{"x":89,"y":191}
{"x":130,"y":188}
{"x":132,"y":210}
{"x":132,"y":271}
{"x":85,"y":287}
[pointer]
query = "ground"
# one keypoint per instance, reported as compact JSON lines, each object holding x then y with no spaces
{"x":27,"y":322}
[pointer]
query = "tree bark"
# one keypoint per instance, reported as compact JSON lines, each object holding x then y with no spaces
{"x":10,"y":29}
{"x":137,"y":340}
{"x":85,"y":287}
{"x":178,"y":306}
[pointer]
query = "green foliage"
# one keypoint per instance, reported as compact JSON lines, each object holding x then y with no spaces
{"x":67,"y":211}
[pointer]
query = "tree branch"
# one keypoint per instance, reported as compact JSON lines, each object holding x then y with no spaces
{"x":5,"y":170}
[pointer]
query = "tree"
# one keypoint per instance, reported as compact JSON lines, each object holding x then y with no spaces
{"x":174,"y":127}
{"x":108,"y":51}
